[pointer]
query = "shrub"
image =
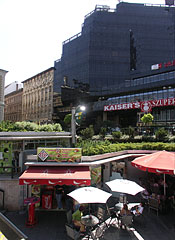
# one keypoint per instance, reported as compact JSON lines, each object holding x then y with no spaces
{"x":46,"y":128}
{"x":99,"y":147}
{"x":161,"y":134}
{"x":57,"y":127}
{"x":87,"y":133}
{"x":67,"y":119}
{"x":116,"y":135}
{"x":103,"y":131}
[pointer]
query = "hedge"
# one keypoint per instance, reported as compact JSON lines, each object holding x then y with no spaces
{"x":90,"y":148}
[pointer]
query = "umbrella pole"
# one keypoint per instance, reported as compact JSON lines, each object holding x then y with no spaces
{"x":164,"y":185}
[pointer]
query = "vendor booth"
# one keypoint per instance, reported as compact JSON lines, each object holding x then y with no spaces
{"x":53,"y":169}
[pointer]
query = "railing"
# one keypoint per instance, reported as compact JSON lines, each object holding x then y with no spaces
{"x":10,"y":230}
{"x":72,"y":38}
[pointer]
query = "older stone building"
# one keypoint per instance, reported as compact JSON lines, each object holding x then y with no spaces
{"x":37,"y":101}
{"x":2,"y":81}
{"x":13,"y":106}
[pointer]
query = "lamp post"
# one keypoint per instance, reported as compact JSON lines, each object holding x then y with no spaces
{"x":75,"y":120}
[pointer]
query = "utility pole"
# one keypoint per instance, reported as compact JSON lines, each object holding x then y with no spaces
{"x":73,"y":127}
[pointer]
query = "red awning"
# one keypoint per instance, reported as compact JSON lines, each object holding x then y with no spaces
{"x":48,"y":175}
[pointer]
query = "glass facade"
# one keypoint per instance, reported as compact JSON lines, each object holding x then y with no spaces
{"x":114,"y":44}
{"x":152,"y":95}
{"x":152,"y":79}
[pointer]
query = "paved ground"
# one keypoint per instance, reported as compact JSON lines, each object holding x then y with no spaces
{"x":51,"y":225}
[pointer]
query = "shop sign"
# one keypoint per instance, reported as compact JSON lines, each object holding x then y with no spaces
{"x":161,"y":65}
{"x":59,"y":154}
{"x":144,"y":106}
{"x":95,"y":175}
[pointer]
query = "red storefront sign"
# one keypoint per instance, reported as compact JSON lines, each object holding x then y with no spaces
{"x":161,"y":65}
{"x":144,"y":106}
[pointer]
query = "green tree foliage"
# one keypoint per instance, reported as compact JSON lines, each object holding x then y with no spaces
{"x":67,"y":119}
{"x":25,"y":126}
{"x":57,"y":127}
{"x":103,"y":131}
{"x":116,"y":135}
{"x":147,"y":118}
{"x":161,"y":134}
{"x":6,"y":126}
{"x":87,"y":133}
{"x":90,"y":147}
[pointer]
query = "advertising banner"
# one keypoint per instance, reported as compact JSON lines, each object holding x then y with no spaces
{"x":47,"y":201}
{"x":95,"y":175}
{"x":145,"y":106}
{"x":59,"y":154}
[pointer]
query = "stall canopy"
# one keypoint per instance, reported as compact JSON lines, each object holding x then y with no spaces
{"x":79,"y":175}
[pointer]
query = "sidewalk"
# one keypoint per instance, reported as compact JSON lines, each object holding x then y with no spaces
{"x":51,"y":225}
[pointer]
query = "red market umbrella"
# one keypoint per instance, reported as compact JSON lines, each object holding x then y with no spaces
{"x":158,"y":162}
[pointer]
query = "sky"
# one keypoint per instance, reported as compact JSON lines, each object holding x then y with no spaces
{"x":32,"y":32}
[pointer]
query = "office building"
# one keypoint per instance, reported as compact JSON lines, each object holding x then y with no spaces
{"x":116,"y":48}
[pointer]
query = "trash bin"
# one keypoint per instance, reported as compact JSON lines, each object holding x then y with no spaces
{"x":47,"y":201}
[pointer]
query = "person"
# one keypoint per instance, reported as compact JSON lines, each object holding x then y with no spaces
{"x":59,"y":192}
{"x":76,"y":218}
{"x":125,"y":211}
{"x":138,"y":210}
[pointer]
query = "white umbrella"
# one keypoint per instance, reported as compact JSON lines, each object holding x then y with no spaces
{"x":90,"y":195}
{"x":125,"y":186}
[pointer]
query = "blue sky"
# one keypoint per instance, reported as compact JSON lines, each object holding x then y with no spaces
{"x":32,"y":32}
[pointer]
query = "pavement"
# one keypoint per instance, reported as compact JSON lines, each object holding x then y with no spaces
{"x":51,"y":225}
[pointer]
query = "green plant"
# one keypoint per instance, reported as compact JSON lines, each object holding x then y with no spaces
{"x":131,"y":132}
{"x":87,"y":133}
{"x":103,"y":131}
{"x":147,"y":118}
{"x":57,"y":127}
{"x":116,"y":135}
{"x":161,"y":134}
{"x":67,"y":119}
{"x":6,"y":126}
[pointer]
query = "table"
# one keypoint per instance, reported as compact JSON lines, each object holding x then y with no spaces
{"x":89,"y":220}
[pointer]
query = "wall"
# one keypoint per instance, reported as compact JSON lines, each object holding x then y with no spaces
{"x":14,"y":194}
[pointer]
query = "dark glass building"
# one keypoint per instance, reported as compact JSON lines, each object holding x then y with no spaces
{"x":114,"y":52}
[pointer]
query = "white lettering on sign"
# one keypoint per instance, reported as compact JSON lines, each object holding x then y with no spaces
{"x":145,"y":106}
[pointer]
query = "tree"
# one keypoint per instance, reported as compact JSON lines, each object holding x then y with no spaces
{"x":147,"y":119}
{"x":67,"y":119}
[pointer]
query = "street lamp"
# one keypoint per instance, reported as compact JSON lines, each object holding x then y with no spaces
{"x":76,"y":119}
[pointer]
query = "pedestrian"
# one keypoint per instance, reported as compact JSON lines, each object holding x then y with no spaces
{"x":76,"y":218}
{"x":59,"y":192}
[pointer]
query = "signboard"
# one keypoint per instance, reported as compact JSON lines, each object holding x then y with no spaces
{"x":95,"y":175}
{"x":161,"y":65}
{"x":59,"y":154}
{"x":144,"y":106}
{"x":79,"y":115}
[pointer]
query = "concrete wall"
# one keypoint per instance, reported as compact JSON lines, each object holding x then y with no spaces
{"x":14,"y":194}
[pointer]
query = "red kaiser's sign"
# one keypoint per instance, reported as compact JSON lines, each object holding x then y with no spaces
{"x":144,"y":106}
